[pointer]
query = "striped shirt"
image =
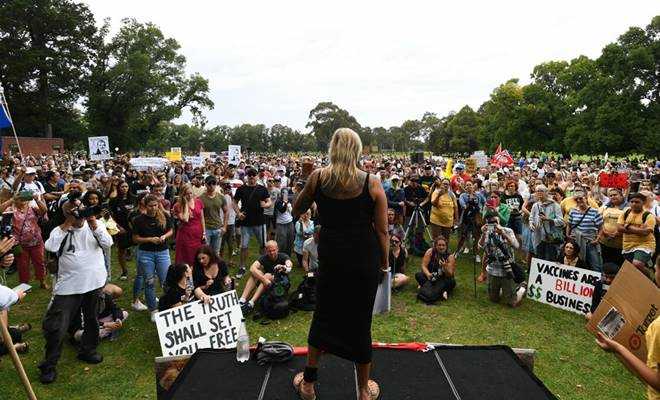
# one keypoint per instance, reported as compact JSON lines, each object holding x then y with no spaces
{"x":588,"y":225}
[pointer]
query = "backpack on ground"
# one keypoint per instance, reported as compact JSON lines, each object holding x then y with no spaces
{"x":430,"y":292}
{"x":275,"y":301}
{"x":304,"y":298}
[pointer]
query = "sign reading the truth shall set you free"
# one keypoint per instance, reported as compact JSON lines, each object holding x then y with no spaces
{"x":196,"y":325}
{"x":561,"y":286}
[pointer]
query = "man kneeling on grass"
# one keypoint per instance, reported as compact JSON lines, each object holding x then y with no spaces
{"x":262,"y":274}
{"x":498,"y":243}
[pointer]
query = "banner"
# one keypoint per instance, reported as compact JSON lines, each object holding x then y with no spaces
{"x":613,"y":180}
{"x":630,"y":305}
{"x":144,"y":163}
{"x":99,"y":148}
{"x":501,"y":158}
{"x":196,"y":325}
{"x":561,"y":286}
{"x":234,"y":154}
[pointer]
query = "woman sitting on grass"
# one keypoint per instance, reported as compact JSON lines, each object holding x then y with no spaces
{"x":179,"y":288}
{"x":210,"y":274}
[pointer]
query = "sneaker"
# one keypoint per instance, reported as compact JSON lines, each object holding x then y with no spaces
{"x":48,"y":375}
{"x":240,"y":273}
{"x":466,"y":250}
{"x":78,"y":335}
{"x":477,"y":259}
{"x":123,"y":277}
{"x":520,"y":294}
{"x":138,"y":306}
{"x":234,"y":253}
{"x":93,"y":358}
{"x":246,"y":308}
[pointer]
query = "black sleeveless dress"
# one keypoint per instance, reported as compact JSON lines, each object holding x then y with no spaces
{"x":349,"y":263}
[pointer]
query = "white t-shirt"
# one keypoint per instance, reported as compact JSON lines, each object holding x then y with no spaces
{"x":231,"y":213}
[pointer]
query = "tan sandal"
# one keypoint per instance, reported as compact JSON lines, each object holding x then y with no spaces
{"x":374,"y":389}
{"x":297,"y":384}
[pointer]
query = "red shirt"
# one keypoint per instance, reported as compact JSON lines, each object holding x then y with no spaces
{"x":456,"y":181}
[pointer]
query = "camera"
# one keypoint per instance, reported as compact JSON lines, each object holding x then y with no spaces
{"x":435,"y":276}
{"x":6,"y":224}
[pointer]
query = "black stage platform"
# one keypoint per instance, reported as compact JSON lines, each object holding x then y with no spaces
{"x":461,"y":373}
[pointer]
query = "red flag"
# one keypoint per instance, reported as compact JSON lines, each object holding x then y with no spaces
{"x":501,"y":158}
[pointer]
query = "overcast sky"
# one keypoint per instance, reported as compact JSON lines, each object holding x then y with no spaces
{"x":273,"y":61}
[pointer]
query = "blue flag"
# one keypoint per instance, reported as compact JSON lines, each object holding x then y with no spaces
{"x":5,"y":122}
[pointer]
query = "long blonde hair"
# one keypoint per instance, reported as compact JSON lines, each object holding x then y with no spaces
{"x":184,"y":207}
{"x":344,"y":152}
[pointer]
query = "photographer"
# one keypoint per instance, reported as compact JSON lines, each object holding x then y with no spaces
{"x":81,"y":275}
{"x":414,"y":195}
{"x":438,"y":267}
{"x":499,"y":243}
{"x":262,"y":274}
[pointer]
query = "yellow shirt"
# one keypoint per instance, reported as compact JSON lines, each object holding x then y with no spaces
{"x":632,"y":241}
{"x":569,"y":203}
{"x":610,"y":225}
{"x":443,"y":215}
{"x":653,"y":354}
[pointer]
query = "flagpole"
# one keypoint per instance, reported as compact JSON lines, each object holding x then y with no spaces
{"x":5,"y":106}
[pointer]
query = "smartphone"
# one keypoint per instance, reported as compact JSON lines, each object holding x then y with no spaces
{"x":24,"y":287}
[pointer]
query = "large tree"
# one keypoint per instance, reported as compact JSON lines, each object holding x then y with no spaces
{"x":327,"y":117}
{"x":138,"y":82}
{"x":47,"y":47}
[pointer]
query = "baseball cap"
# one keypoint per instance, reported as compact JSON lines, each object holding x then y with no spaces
{"x":251,"y":172}
{"x":30,"y":170}
{"x":395,"y":178}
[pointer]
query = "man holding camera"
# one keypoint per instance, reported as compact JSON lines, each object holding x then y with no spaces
{"x":499,"y":243}
{"x":79,"y":243}
{"x":263,"y":272}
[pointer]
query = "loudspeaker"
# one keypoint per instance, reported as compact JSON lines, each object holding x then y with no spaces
{"x":417,"y":157}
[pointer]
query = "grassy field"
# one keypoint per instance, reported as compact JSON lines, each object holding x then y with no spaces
{"x":568,"y":360}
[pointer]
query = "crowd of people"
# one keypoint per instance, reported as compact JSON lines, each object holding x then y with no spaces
{"x":66,"y":215}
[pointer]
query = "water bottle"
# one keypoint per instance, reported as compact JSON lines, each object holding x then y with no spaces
{"x":243,"y":345}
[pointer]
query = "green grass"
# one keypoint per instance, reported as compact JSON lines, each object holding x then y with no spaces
{"x":568,"y":360}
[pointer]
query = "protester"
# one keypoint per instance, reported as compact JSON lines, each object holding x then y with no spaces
{"x":439,"y":266}
{"x":585,"y":225}
{"x":611,"y":240}
{"x":215,"y":213}
{"x":310,"y":260}
{"x":637,"y":226}
{"x":546,"y":223}
{"x":210,"y":274}
{"x":190,"y":233}
{"x":27,"y":232}
{"x":304,"y":230}
{"x":179,"y":287}
{"x":285,"y":233}
{"x":262,"y":274}
{"x":444,"y":209}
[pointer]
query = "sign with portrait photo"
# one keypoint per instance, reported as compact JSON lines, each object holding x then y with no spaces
{"x":99,"y":148}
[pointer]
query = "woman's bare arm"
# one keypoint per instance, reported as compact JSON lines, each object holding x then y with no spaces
{"x":380,"y":218}
{"x":305,"y":198}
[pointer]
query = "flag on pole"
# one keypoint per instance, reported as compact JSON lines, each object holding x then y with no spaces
{"x":5,"y":121}
{"x":501,"y":158}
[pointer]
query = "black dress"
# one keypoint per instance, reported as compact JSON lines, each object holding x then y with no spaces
{"x":349,"y":263}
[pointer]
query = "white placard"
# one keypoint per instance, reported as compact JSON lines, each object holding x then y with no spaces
{"x":144,"y":163}
{"x":234,"y":154}
{"x":195,"y":161}
{"x":99,"y":148}
{"x":196,"y":325}
{"x":481,"y":157}
{"x":175,"y":150}
{"x":562,"y":286}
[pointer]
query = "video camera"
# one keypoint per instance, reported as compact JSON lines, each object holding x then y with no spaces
{"x":6,"y":224}
{"x":495,"y":240}
{"x":79,"y":211}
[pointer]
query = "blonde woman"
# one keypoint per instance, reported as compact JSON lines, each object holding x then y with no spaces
{"x":353,"y":256}
{"x":190,"y":233}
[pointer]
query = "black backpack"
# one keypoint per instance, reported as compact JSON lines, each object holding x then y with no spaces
{"x":304,"y":298}
{"x":430,"y":292}
{"x":275,"y":302}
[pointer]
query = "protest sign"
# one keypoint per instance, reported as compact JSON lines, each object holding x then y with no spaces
{"x":99,"y":148}
{"x":613,"y":180}
{"x":207,"y":154}
{"x":561,"y":286}
{"x":471,"y":165}
{"x":234,"y":154}
{"x":196,"y":325}
{"x":481,"y":157}
{"x":627,"y":310}
{"x":172,"y":156}
{"x":175,"y":150}
{"x":144,"y":163}
{"x":195,"y":161}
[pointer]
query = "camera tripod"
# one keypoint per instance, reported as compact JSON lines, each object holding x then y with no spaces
{"x":414,"y":223}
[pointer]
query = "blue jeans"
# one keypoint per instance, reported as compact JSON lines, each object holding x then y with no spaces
{"x":594,"y":257}
{"x":214,"y":239}
{"x":150,"y":263}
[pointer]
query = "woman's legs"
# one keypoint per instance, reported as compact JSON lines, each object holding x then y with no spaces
{"x":122,"y":261}
{"x":363,"y":380}
{"x":138,"y":283}
{"x":311,"y":369}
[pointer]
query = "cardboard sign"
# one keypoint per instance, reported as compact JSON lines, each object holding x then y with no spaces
{"x":172,"y":156}
{"x":207,"y":154}
{"x":234,"y":154}
{"x":175,"y":150}
{"x":481,"y":157}
{"x":471,"y":165}
{"x":613,"y":180}
{"x":99,"y":148}
{"x":144,"y":163}
{"x":193,"y":326}
{"x":561,"y":286}
{"x":627,"y":310}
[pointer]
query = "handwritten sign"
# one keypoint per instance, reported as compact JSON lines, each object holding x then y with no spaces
{"x":234,"y":154}
{"x":561,"y":286}
{"x":613,"y":180}
{"x":144,"y":163}
{"x":196,"y":325}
